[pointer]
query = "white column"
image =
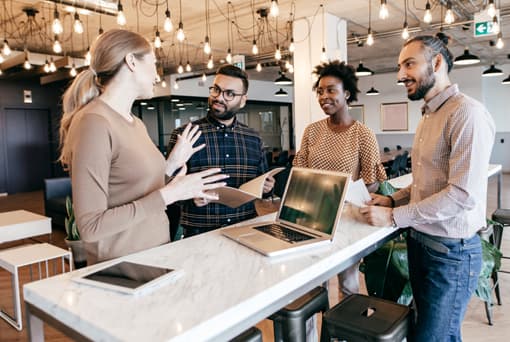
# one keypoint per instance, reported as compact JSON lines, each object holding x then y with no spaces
{"x":308,"y":37}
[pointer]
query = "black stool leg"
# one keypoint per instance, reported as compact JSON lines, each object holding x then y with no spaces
{"x":488,"y":311}
{"x":294,"y":329}
{"x":278,"y":333}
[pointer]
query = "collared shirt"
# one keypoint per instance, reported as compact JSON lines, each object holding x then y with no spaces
{"x":450,"y":161}
{"x":237,"y":150}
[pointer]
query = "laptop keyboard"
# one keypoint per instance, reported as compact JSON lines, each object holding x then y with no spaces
{"x":283,"y":233}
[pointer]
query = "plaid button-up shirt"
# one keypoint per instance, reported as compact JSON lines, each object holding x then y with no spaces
{"x":237,"y":150}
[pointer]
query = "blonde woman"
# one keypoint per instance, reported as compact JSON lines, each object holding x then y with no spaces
{"x":118,"y":175}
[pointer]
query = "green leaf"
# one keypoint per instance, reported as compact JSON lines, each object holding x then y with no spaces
{"x":72,"y":231}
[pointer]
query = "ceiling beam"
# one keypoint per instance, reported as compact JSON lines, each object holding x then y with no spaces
{"x":54,"y":77}
{"x":13,"y":61}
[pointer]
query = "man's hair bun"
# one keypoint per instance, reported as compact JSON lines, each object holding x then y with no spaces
{"x":443,"y":37}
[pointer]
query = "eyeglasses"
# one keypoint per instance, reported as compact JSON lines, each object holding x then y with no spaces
{"x":228,"y":94}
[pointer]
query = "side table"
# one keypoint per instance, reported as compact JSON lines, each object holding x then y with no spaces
{"x":13,"y":258}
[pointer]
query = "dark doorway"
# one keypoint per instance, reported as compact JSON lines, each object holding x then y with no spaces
{"x":27,"y":149}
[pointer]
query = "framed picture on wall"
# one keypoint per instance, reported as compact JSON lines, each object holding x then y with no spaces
{"x":394,"y":116}
{"x":357,"y":112}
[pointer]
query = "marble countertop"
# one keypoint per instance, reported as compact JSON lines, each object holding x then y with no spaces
{"x":407,"y":179}
{"x":225,"y":287}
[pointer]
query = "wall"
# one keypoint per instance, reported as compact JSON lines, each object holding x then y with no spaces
{"x":489,"y":91}
{"x":43,"y":97}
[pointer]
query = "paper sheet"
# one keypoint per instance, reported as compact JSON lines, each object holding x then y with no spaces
{"x":357,"y":194}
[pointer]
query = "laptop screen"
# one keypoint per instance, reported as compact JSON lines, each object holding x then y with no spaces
{"x":312,"y":198}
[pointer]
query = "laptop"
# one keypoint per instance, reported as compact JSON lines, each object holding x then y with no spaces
{"x":308,"y":216}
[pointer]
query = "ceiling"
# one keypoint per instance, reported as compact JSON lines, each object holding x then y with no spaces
{"x":33,"y":31}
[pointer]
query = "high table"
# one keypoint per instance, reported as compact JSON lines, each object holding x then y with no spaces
{"x":226,"y":288}
{"x":407,"y":179}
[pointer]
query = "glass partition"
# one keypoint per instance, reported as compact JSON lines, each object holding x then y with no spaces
{"x":162,"y":115}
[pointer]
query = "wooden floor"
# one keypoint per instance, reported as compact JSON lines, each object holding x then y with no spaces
{"x":474,"y":328}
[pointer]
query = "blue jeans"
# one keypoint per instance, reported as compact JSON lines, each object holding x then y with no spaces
{"x":444,"y":274}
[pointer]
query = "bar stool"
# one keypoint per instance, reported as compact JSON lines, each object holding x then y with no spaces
{"x":251,"y":335}
{"x":361,"y":318}
{"x":502,"y":216}
{"x":290,"y":322}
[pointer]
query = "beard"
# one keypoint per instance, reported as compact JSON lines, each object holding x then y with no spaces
{"x":227,"y":114}
{"x":423,"y":87}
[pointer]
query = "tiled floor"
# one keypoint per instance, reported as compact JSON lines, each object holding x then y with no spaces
{"x":474,"y":328}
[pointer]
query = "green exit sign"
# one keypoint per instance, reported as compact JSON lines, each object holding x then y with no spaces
{"x":483,"y":24}
{"x":483,"y":28}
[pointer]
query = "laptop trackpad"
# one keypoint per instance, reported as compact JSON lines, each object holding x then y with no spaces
{"x":255,"y":238}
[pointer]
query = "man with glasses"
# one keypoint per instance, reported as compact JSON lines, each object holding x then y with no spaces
{"x":231,"y":146}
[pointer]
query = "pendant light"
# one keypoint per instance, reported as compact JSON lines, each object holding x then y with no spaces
{"x":361,"y":70}
{"x":372,"y":92}
{"x":121,"y":18}
{"x":254,"y":48}
{"x":427,"y":17}
{"x":466,"y":58}
{"x":180,"y":31}
{"x":324,"y":55}
{"x":491,"y":9}
{"x":283,"y":80}
{"x":383,"y":10}
{"x":274,"y":10}
{"x":157,"y":38}
{"x":506,"y":80}
{"x":492,"y":71}
{"x":57,"y":24}
{"x":499,"y":42}
{"x":6,"y":50}
{"x":77,"y":26}
{"x":405,"y":27}
{"x":168,"y":26}
{"x":449,"y":18}
{"x":281,"y":93}
{"x":370,"y":36}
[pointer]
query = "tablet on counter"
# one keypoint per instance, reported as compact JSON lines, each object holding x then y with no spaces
{"x":129,"y":277}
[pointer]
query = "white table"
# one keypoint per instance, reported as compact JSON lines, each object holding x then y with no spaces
{"x":13,"y":258}
{"x":407,"y":179}
{"x":226,"y":288}
{"x":22,"y":224}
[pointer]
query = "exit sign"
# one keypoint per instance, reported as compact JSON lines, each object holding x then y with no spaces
{"x":483,"y":28}
{"x":483,"y":24}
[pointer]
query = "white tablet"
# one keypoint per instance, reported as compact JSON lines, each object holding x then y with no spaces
{"x":128,"y":277}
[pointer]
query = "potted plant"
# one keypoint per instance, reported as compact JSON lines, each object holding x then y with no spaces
{"x":72,"y":239}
